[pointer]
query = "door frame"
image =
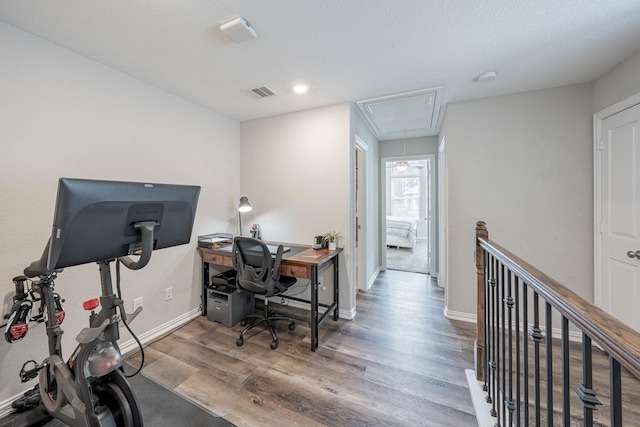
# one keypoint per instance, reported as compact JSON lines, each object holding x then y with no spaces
{"x":431,"y":209}
{"x":360,"y":215}
{"x":598,"y":283}
{"x":442,"y":260}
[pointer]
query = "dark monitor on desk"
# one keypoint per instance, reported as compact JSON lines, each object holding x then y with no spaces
{"x":99,"y":220}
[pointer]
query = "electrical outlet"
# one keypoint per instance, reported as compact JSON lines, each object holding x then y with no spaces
{"x":168,"y":294}
{"x":321,"y":284}
{"x":137,"y":302}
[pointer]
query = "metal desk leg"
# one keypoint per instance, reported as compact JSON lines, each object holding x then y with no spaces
{"x":314,"y":308}
{"x":336,"y":287}
{"x":205,"y":285}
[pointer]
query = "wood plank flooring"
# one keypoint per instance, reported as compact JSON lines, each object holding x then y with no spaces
{"x":398,"y":363}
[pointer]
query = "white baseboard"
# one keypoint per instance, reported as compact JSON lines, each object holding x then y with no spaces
{"x":458,"y":315}
{"x":347,"y":314}
{"x":343,"y":314}
{"x":159,"y":331}
{"x":373,"y":278}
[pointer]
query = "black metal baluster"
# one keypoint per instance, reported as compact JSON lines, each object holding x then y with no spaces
{"x":509,"y":403}
{"x":525,"y":350}
{"x":549,"y":353}
{"x":585,"y":391}
{"x":536,"y":335}
{"x":491,"y":345}
{"x":496,"y":353}
{"x":615,"y":384}
{"x":485,"y":386}
{"x":566,"y":403}
{"x":502,"y":346}
{"x":518,"y":359}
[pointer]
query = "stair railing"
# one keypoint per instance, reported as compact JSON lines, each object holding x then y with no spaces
{"x":511,"y":341}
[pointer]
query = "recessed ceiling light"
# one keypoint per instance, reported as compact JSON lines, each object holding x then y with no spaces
{"x":300,"y":89}
{"x":487,"y":76}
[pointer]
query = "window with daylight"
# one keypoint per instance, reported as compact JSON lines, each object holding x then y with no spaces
{"x":405,"y":190}
{"x":405,"y":193}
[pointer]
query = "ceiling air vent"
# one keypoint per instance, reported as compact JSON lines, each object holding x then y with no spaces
{"x":260,"y":92}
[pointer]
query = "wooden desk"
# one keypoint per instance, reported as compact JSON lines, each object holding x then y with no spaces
{"x":302,"y":262}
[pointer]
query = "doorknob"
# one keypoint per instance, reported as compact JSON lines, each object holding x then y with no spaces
{"x":632,"y":254}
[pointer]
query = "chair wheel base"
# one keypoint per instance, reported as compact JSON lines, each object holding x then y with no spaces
{"x":273,"y":345}
{"x":292,"y":326}
{"x":239,"y":341}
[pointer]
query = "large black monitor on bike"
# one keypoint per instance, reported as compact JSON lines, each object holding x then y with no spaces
{"x":101,"y":220}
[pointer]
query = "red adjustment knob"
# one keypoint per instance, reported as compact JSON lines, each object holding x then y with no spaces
{"x":91,"y":304}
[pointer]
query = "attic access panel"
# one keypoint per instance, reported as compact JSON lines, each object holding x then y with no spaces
{"x":412,"y":113}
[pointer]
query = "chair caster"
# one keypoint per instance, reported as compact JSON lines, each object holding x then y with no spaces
{"x":292,"y":326}
{"x":274,"y":344}
{"x":239,"y":341}
{"x":243,"y":323}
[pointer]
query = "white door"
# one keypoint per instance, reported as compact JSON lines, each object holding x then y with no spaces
{"x":620,"y":213}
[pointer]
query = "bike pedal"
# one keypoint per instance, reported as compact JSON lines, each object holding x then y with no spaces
{"x":60,"y":317}
{"x":60,"y":313}
{"x":18,"y":324}
{"x":29,"y":374}
{"x":30,"y":399}
{"x":16,"y":332}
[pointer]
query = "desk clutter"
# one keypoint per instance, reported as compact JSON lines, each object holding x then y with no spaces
{"x":225,"y":303}
{"x":214,"y":240}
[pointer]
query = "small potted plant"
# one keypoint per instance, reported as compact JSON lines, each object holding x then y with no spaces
{"x":331,"y":238}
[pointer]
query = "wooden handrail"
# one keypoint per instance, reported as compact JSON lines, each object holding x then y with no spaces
{"x":616,"y":338}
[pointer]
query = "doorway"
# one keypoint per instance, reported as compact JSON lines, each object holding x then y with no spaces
{"x":408,"y":213}
{"x":617,"y":150}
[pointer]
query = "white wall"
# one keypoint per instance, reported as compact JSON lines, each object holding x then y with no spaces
{"x":522,"y":163}
{"x":62,"y":114}
{"x":370,"y":233}
{"x":296,"y":173}
{"x":621,"y":82}
{"x":414,"y":147}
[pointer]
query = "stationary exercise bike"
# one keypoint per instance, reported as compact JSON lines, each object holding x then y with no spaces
{"x":94,"y":222}
{"x":90,"y":388}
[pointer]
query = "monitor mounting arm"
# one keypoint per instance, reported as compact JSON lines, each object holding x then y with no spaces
{"x":146,"y":229}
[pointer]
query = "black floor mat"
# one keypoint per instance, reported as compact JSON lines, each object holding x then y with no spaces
{"x":160,"y":408}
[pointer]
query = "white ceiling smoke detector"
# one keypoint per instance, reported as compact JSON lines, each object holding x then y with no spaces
{"x":487,"y":76}
{"x":239,"y":30}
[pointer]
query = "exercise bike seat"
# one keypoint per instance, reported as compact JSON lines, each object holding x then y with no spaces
{"x":39,"y":267}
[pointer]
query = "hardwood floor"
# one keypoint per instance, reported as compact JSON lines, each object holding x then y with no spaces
{"x":398,"y":363}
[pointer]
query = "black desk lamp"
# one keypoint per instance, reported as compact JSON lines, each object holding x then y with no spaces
{"x":244,"y":206}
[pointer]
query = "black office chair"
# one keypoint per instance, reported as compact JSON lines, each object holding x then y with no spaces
{"x":258,"y":272}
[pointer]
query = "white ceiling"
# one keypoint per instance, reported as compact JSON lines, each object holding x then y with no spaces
{"x":345,"y":50}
